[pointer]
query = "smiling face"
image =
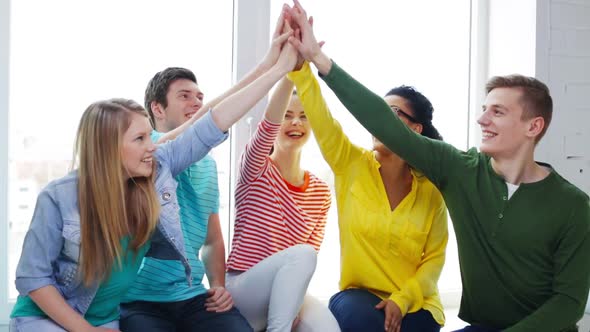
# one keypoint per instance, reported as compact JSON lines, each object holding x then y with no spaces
{"x":184,"y":99}
{"x":295,"y":129}
{"x":504,"y":131}
{"x":137,"y":148}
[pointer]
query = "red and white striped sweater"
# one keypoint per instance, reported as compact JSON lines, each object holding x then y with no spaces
{"x":271,"y":214}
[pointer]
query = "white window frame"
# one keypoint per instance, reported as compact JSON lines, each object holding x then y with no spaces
{"x":251,"y":40}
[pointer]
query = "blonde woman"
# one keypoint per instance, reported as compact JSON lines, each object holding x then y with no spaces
{"x":92,"y":227}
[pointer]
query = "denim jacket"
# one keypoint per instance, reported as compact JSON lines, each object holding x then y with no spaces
{"x":52,"y":245}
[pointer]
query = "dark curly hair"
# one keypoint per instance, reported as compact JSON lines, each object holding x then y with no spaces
{"x":421,"y":106}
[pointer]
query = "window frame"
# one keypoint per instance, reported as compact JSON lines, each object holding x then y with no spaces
{"x":5,"y":306}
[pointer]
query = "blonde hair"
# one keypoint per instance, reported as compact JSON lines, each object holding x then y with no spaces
{"x":110,"y":207}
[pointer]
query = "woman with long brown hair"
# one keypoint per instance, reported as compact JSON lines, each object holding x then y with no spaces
{"x":92,"y":227}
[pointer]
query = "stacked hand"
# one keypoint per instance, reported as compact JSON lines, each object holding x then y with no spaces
{"x":288,"y":56}
{"x":304,"y":41}
{"x":293,"y":41}
{"x":279,"y":39}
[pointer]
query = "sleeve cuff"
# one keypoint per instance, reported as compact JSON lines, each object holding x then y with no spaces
{"x":301,"y":74}
{"x":27,"y":285}
{"x":335,"y":71}
{"x":302,"y":78}
{"x":208,"y":132}
{"x":409,"y":298}
{"x":401,"y":302}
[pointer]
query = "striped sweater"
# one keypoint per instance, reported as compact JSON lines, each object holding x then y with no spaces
{"x":271,"y":214}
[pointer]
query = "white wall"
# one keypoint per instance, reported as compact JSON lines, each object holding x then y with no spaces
{"x":563,"y":62}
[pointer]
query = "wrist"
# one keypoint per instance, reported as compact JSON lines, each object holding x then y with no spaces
{"x":258,"y":70}
{"x":279,"y":71}
{"x":262,"y":67}
{"x":81,"y":325}
{"x":322,"y":62}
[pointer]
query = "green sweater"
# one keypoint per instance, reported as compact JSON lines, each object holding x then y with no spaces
{"x":525,"y":261}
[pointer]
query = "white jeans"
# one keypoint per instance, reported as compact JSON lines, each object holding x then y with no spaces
{"x":271,"y":293}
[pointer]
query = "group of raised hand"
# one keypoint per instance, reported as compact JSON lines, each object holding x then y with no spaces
{"x":294,"y":39}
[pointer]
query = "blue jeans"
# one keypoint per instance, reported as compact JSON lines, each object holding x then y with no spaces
{"x":181,"y":316}
{"x":354,"y":310}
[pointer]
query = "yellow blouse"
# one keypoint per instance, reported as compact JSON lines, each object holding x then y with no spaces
{"x":395,"y":254}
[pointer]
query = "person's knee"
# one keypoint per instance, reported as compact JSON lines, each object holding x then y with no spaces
{"x":305,"y":256}
{"x":354,"y":310}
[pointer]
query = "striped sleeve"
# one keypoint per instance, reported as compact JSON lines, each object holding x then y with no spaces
{"x":257,"y":150}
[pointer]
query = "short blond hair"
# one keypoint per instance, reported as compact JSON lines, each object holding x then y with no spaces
{"x":536,"y":99}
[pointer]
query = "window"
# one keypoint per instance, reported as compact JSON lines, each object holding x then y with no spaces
{"x":384,"y":44}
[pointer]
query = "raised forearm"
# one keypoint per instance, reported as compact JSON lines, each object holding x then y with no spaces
{"x":226,"y":113}
{"x":335,"y":146}
{"x":247,"y":79}
{"x":323,"y":63}
{"x":275,"y":110}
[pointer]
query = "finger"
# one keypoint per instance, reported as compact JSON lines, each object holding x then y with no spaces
{"x":297,"y":44}
{"x":280,"y":22}
{"x":380,"y":305}
{"x":211,"y":306}
{"x":282,"y":38}
{"x":221,"y":305}
{"x":321,"y":43}
{"x":299,"y":7}
{"x":225,"y":297}
{"x":388,"y":320}
{"x":225,"y":305}
{"x":298,"y":16}
{"x":215,"y":296}
{"x":310,"y":20}
{"x":287,"y":26}
{"x":210,"y":294}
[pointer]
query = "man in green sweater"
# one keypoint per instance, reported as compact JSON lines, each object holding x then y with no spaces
{"x":523,"y":231}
